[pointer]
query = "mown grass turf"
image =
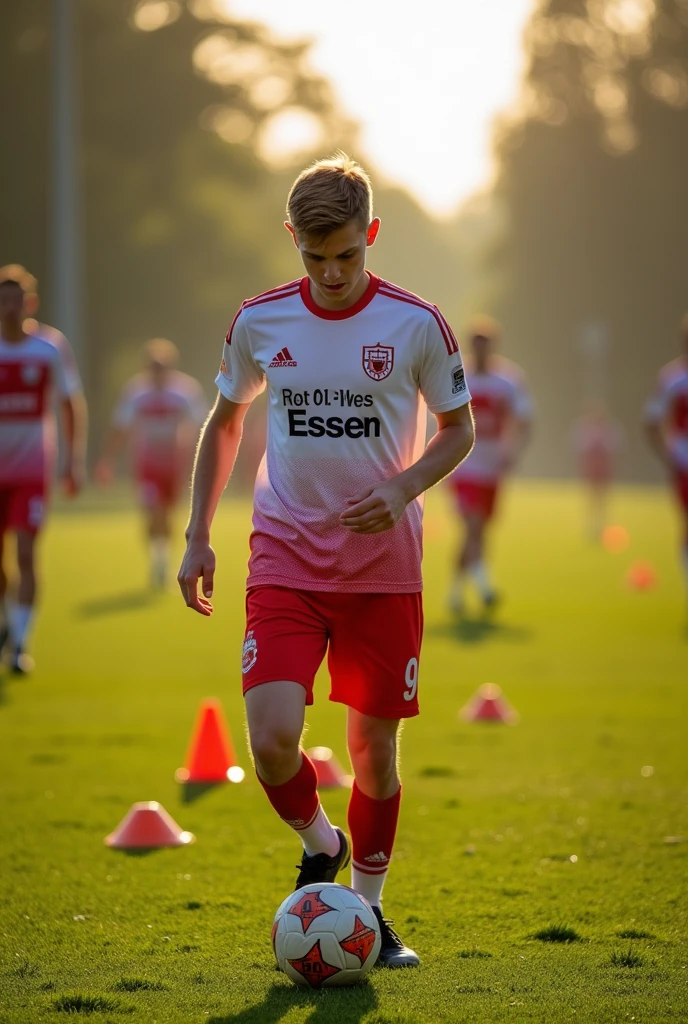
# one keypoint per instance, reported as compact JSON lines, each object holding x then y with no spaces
{"x":509,"y":836}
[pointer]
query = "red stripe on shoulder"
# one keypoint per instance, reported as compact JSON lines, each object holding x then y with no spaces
{"x":401,"y":295}
{"x":282,"y":292}
{"x":274,"y":293}
{"x":228,"y":335}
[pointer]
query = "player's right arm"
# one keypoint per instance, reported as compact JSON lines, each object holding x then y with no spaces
{"x":117,"y":437}
{"x":239,"y":381}
{"x":215,"y":459}
{"x":656,"y":412}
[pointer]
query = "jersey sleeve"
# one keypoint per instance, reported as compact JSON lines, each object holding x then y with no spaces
{"x":657,"y":406}
{"x":69,"y":365}
{"x":442,"y":377}
{"x":521,"y":402}
{"x":61,"y":381}
{"x":240,"y":379}
{"x":125,"y":410}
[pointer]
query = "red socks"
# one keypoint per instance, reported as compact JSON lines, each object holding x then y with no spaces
{"x":373,"y":826}
{"x":296,"y":801}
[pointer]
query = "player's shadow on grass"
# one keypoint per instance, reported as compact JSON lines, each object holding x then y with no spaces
{"x":343,"y":1006}
{"x":112,"y":604}
{"x":479,"y":630}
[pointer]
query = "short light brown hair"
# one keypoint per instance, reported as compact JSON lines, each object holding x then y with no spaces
{"x":329,"y":194}
{"x":161,"y":351}
{"x":14,"y":273}
{"x":484,"y":327}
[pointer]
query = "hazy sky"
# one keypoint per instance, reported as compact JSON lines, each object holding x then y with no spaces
{"x":425,"y":79}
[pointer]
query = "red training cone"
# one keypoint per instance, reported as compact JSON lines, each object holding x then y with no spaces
{"x":488,"y":705}
{"x":328,"y":769}
{"x":147,"y":825}
{"x":641,"y":576}
{"x":211,"y":756}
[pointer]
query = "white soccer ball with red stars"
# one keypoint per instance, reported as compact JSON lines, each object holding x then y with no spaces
{"x":325,"y":935}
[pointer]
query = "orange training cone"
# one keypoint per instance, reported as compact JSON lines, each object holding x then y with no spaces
{"x":147,"y":825}
{"x":641,"y":576}
{"x":210,"y":757}
{"x":488,"y":705}
{"x":328,"y":769}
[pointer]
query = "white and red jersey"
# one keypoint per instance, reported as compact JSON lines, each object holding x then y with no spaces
{"x":669,"y":407}
{"x":32,"y":374}
{"x":163,"y":421}
{"x":348,"y":393}
{"x":499,"y":397}
{"x":597,"y":440}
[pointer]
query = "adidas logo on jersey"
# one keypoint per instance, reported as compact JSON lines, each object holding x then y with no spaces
{"x":283,"y":358}
{"x":377,"y":858}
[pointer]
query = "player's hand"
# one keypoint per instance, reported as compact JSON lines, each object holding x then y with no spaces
{"x":198,"y":563}
{"x":375,"y":509}
{"x":103,"y":473}
{"x":72,"y":479}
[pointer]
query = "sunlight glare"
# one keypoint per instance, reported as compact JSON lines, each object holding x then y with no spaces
{"x":283,"y":138}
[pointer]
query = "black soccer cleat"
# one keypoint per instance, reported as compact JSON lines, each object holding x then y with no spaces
{"x":21,"y":664}
{"x":320,"y":867}
{"x":393,"y":952}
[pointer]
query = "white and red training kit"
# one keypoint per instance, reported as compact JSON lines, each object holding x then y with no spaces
{"x":32,"y":375}
{"x":348,"y":393}
{"x":164,"y":423}
{"x":669,"y":407}
{"x":498,"y":398}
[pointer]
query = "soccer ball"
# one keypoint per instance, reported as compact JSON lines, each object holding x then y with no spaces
{"x":324,"y":935}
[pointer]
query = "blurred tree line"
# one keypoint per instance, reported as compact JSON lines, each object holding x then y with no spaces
{"x":590,"y":265}
{"x":184,"y":113}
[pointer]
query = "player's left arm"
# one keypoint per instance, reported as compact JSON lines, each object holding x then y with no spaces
{"x":74,"y":417}
{"x":379,"y":508}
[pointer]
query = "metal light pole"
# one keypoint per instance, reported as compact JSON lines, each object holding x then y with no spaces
{"x":65,"y":261}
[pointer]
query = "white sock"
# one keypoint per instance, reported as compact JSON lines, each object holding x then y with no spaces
{"x":160,"y":552}
{"x":320,"y":837}
{"x":20,"y":616}
{"x":457,"y":588}
{"x":478,"y":571}
{"x":369,"y":886}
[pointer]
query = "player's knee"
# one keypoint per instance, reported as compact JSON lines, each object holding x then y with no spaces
{"x":374,"y":753}
{"x":274,"y":746}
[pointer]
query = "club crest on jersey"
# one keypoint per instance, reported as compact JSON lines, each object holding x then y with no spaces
{"x":30,"y":374}
{"x":378,"y":361}
{"x":249,"y":653}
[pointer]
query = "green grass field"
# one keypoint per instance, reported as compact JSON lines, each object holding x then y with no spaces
{"x":550,"y":826}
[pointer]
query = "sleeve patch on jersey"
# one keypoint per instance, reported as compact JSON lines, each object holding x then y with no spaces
{"x":223,"y":369}
{"x":458,"y":380}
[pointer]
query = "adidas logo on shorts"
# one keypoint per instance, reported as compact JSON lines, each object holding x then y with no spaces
{"x":283,"y":358}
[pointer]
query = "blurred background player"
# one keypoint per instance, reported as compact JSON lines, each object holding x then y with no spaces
{"x":160,"y":414}
{"x":502,"y":410}
{"x":666,"y":421}
{"x":597,"y":439}
{"x":31,"y":325}
{"x":32,"y":374}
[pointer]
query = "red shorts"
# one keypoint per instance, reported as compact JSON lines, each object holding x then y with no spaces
{"x":372,"y":642}
{"x":22,"y":507}
{"x":475,"y":498}
{"x":159,"y":486}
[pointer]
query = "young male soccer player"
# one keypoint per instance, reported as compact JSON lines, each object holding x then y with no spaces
{"x":32,"y":372}
{"x":597,"y":438}
{"x":160,"y":412}
{"x":503,"y":411}
{"x":666,"y":420}
{"x":349,"y":362}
